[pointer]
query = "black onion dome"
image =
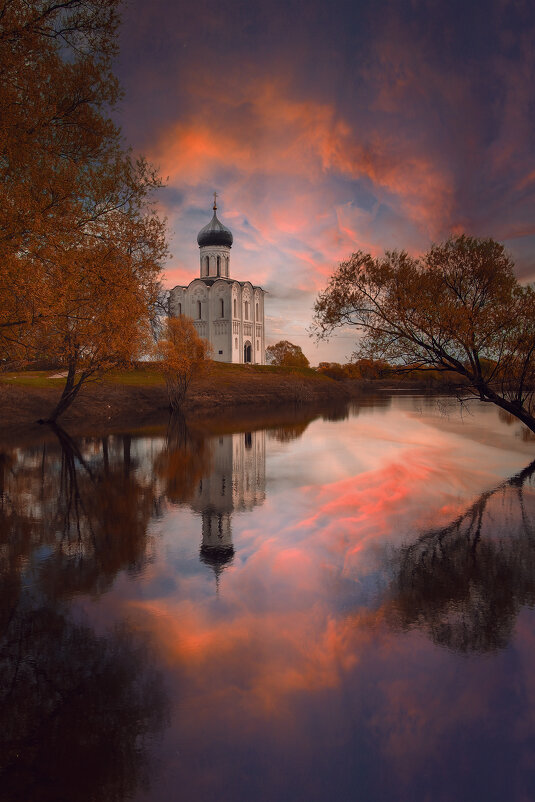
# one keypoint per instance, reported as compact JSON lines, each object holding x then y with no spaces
{"x":215,"y":233}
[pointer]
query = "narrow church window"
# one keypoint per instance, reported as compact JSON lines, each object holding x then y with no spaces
{"x":257,"y":345}
{"x":222,"y":308}
{"x":235,"y":342}
{"x":257,"y":311}
{"x":246,"y":310}
{"x":235,"y":313}
{"x":199,"y":310}
{"x":179,"y":309}
{"x":207,"y":266}
{"x":248,"y":440}
{"x":218,"y":265}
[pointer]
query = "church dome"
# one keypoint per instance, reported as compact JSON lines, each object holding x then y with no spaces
{"x":215,"y":233}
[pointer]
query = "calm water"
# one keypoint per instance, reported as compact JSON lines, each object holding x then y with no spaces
{"x":336,"y":607}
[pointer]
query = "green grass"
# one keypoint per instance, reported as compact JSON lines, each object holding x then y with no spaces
{"x":31,"y":378}
{"x":148,"y":375}
{"x":139,"y":377}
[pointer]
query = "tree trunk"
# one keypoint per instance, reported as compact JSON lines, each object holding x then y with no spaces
{"x":514,"y":408}
{"x":70,"y":391}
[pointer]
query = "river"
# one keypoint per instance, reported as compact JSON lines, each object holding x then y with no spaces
{"x":310,"y":606}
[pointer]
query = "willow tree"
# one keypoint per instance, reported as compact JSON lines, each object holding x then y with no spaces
{"x":80,"y":244}
{"x":458,"y":308}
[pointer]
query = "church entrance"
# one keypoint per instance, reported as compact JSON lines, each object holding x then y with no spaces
{"x":247,"y":352}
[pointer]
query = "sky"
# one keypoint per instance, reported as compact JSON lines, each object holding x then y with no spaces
{"x":328,"y":128}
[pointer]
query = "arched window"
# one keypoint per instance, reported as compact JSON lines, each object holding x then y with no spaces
{"x":218,"y":265}
{"x":236,"y":343}
{"x":246,"y":310}
{"x":235,"y":313}
{"x":222,"y":307}
{"x":206,"y":265}
{"x":257,"y":311}
{"x":179,"y":309}
{"x":199,"y":310}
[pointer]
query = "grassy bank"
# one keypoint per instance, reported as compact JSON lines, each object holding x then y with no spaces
{"x":138,"y":397}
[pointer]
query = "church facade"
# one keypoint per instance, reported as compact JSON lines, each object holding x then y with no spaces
{"x":226,"y":312}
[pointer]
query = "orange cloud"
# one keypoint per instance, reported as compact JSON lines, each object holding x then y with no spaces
{"x":300,"y":141}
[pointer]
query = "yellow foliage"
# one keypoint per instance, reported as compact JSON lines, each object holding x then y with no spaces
{"x":286,"y":354}
{"x":459,"y":309}
{"x":183,"y":356}
{"x":80,"y":247}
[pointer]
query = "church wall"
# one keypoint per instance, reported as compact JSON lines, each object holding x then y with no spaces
{"x":177,"y":305}
{"x":197,"y":293}
{"x":236,"y":340}
{"x":259,"y":327}
{"x":220,"y":321}
{"x":247,"y":321}
{"x":242,"y":321}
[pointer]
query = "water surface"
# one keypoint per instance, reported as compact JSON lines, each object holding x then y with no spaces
{"x":334,"y":606}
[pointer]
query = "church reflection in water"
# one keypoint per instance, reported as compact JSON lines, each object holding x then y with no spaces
{"x":236,"y":483}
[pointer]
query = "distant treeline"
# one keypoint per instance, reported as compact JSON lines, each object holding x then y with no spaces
{"x":379,"y":369}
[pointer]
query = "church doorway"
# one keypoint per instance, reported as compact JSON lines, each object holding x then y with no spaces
{"x":247,"y":352}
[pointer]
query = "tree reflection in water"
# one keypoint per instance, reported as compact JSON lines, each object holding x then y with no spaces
{"x":89,"y":510}
{"x":76,"y":709}
{"x":183,"y":462}
{"x":465,"y":584}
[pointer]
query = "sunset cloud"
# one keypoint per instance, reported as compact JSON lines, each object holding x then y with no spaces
{"x":369,"y":129}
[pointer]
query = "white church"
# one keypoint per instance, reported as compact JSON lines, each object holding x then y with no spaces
{"x":226,"y":312}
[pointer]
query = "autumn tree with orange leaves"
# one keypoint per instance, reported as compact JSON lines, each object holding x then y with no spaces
{"x":286,"y":354}
{"x":457,"y":309}
{"x":183,"y":356}
{"x":80,"y":245}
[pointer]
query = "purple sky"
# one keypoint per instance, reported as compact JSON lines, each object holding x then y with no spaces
{"x":328,"y":128}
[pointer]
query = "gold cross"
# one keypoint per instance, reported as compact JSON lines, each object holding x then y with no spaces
{"x":215,"y":201}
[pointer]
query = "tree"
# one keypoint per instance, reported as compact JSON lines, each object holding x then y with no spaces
{"x":102,"y":301}
{"x":55,"y":87}
{"x":461,"y":584}
{"x":183,"y":356}
{"x":459,"y":309}
{"x":79,"y":708}
{"x":80,"y":245}
{"x":286,"y":354}
{"x":93,"y":522}
{"x":184,"y":461}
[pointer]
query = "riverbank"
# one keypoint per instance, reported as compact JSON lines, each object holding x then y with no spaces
{"x":138,"y":398}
